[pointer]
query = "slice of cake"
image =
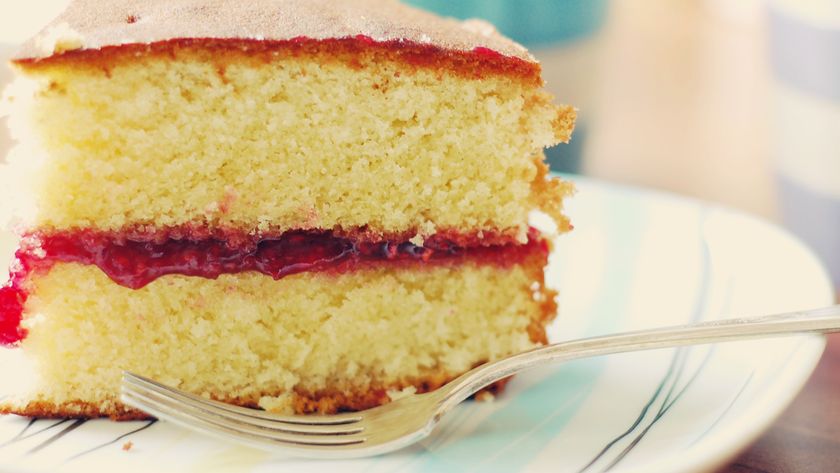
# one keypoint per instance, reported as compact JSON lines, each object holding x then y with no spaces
{"x":300,"y":205}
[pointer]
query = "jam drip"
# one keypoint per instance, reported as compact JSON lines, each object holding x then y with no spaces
{"x":134,"y":264}
{"x":12,"y":298}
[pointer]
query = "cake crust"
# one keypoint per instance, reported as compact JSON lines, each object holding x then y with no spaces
{"x":92,"y":25}
{"x":302,"y":403}
{"x":476,"y":64}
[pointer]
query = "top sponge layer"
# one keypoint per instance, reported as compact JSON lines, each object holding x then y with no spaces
{"x":362,"y":117}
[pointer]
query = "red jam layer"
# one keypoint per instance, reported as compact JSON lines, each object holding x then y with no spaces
{"x":134,"y":264}
{"x":12,"y":298}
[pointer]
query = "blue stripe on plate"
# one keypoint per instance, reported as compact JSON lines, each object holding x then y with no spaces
{"x":747,"y":382}
{"x":21,"y":433}
{"x":148,"y":423}
{"x":678,"y":362}
{"x":659,"y":390}
{"x":22,"y":437}
{"x":666,"y":406}
{"x":725,"y":410}
{"x":58,"y":435}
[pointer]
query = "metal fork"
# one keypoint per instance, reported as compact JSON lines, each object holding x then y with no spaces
{"x":405,"y":421}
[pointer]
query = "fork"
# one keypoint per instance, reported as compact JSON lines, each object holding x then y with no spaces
{"x":405,"y":421}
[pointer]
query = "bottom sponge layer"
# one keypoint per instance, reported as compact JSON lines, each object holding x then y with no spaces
{"x":310,"y":342}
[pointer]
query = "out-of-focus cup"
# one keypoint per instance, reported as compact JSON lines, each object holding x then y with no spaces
{"x":534,"y":23}
{"x":805,"y":56}
{"x":563,"y":36}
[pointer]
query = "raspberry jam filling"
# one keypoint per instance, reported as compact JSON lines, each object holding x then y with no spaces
{"x":12,"y":298}
{"x":134,"y":264}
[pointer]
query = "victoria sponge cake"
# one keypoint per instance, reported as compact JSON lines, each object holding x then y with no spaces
{"x":299,"y":205}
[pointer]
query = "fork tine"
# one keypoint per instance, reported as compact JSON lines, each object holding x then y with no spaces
{"x":236,"y":411}
{"x":184,"y":414}
{"x":212,"y":409}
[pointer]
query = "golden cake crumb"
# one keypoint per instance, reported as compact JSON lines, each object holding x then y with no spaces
{"x":156,"y":121}
{"x":311,"y":342}
{"x":356,"y":140}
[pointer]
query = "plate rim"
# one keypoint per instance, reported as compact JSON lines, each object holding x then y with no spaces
{"x":794,"y":377}
{"x":728,"y":444}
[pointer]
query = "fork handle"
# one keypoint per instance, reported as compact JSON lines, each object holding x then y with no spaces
{"x":818,"y":321}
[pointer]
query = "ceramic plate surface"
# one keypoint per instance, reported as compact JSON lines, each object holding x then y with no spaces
{"x":636,"y":260}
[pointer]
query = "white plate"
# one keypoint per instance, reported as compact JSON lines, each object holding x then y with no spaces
{"x":636,"y":259}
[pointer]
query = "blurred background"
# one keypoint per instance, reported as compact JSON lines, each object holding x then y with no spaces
{"x":735,"y":102}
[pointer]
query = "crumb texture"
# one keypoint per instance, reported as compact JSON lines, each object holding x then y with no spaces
{"x":321,"y":141}
{"x":307,"y":343}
